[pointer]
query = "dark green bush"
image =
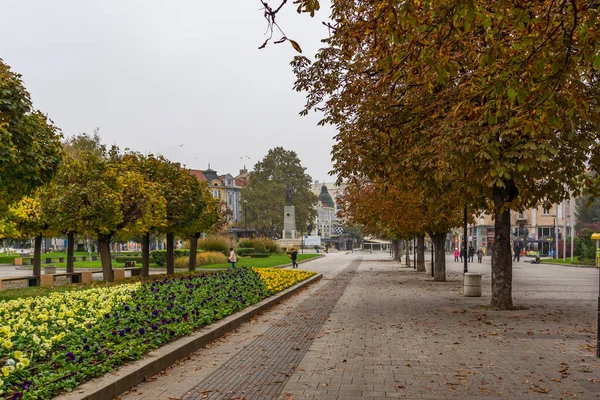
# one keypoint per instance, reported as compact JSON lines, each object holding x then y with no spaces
{"x":160,"y":256}
{"x":260,"y":245}
{"x":244,"y":251}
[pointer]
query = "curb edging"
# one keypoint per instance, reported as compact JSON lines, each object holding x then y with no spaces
{"x":127,"y":376}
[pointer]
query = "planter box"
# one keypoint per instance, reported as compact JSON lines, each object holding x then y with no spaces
{"x":49,"y":269}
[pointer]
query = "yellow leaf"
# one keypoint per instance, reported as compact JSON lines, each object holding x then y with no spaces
{"x":296,"y":46}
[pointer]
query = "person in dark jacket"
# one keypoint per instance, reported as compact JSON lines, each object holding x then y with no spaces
{"x":294,"y":256}
{"x":471,"y":253}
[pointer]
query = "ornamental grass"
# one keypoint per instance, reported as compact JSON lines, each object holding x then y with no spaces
{"x":51,"y":344}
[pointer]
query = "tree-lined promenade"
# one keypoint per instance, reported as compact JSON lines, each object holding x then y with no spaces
{"x":442,"y":105}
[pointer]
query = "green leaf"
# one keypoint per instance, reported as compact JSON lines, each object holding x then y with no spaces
{"x":597,"y":62}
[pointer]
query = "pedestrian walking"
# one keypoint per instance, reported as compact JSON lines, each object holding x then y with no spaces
{"x":517,"y":251}
{"x":471,"y":253}
{"x":294,"y":256}
{"x":463,"y":253}
{"x":456,"y":254}
{"x":479,"y":255}
{"x":232,"y":258}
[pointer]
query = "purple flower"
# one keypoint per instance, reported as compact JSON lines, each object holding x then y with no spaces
{"x":107,"y":351}
{"x":89,"y":325}
{"x":17,"y":396}
{"x":121,"y":332}
{"x":127,"y":329}
{"x":107,"y":315}
{"x":86,"y":347}
{"x":127,"y":308}
{"x":141,"y":331}
{"x":70,"y":356}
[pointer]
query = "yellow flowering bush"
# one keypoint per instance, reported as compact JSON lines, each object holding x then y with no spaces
{"x":278,"y":279}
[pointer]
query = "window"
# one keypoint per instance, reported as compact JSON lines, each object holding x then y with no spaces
{"x":546,"y":211}
{"x":216,"y":194}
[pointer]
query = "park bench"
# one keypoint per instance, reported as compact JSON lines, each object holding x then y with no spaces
{"x":130,"y":266}
{"x":56,"y":259}
{"x":31,"y":280}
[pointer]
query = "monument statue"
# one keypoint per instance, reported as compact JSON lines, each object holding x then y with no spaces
{"x":289,"y":197}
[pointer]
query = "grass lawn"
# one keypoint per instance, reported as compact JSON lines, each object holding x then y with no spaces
{"x":272,"y":261}
{"x":567,"y":261}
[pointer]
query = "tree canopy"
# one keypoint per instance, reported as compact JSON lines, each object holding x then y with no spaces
{"x":30,"y":149}
{"x":266,"y":193}
{"x":497,"y":100}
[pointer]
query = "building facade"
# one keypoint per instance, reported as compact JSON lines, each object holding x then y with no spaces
{"x":224,"y":188}
{"x":537,"y":229}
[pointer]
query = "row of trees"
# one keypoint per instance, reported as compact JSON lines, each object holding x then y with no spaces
{"x":80,"y":187}
{"x":442,"y":105}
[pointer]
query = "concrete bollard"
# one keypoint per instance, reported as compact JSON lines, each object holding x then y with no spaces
{"x":472,"y":284}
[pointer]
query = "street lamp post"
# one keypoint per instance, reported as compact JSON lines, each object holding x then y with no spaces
{"x":465,"y":268}
{"x":246,"y":216}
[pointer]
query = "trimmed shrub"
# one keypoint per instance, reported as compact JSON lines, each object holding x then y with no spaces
{"x":244,"y":251}
{"x":215,"y":243}
{"x":122,"y":259}
{"x":160,"y":256}
{"x":210,"y":257}
{"x":260,"y":245}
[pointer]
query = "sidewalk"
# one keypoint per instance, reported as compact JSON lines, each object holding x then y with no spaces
{"x":394,"y":333}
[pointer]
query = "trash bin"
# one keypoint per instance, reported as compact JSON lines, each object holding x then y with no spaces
{"x":472,"y":284}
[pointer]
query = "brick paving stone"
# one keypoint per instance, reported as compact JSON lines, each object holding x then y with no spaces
{"x":395,"y":333}
{"x":262,"y":369}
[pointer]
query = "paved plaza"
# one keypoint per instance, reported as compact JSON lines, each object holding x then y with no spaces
{"x":374,"y":329}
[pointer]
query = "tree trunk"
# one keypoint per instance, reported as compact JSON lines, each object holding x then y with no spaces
{"x":439,"y":242}
{"x":170,"y":258}
{"x":104,"y":248}
{"x":407,"y":253}
{"x":146,"y":254}
{"x":501,"y":261}
{"x":37,"y":255}
{"x":421,"y":253}
{"x":193,"y":250}
{"x":70,"y":252}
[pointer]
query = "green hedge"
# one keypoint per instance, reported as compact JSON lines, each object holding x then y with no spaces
{"x":244,"y":251}
{"x":160,"y":256}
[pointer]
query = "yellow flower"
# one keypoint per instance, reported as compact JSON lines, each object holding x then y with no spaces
{"x":5,"y":371}
{"x":8,"y":344}
{"x":42,"y":353}
{"x":18,"y":355}
{"x":25,"y":362}
{"x":20,"y":365}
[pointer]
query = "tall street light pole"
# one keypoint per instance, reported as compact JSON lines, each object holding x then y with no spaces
{"x":246,"y":216}
{"x":465,"y":268}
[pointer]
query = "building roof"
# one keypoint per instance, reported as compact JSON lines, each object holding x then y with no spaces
{"x":325,"y":198}
{"x":198,"y":174}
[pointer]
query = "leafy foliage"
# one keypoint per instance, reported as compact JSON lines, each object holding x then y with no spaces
{"x":497,"y":101}
{"x":266,"y":192}
{"x":30,"y":150}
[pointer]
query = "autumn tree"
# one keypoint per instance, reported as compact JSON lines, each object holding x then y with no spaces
{"x":265,"y":195}
{"x":30,"y":150}
{"x":97,"y":193}
{"x":30,"y":221}
{"x":498,"y":100}
{"x":208,"y":221}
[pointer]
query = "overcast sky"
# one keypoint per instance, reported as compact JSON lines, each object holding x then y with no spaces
{"x":154,"y":75}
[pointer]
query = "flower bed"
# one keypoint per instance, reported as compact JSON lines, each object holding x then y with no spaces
{"x":53,"y":343}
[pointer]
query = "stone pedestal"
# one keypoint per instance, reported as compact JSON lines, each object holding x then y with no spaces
{"x":472,"y":284}
{"x":47,"y":280}
{"x":289,"y":223}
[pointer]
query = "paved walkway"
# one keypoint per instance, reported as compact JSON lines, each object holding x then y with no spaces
{"x":394,"y":333}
